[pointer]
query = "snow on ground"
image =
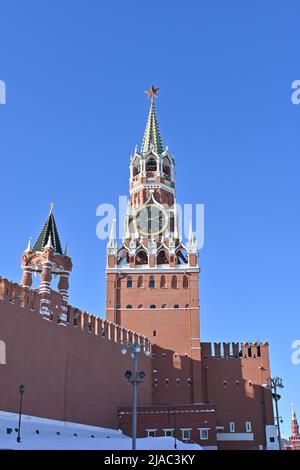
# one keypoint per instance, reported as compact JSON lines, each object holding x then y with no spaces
{"x":47,"y":434}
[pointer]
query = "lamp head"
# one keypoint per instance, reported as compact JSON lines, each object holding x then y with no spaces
{"x":128,"y":375}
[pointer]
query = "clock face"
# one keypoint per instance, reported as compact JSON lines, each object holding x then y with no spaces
{"x":151,"y":220}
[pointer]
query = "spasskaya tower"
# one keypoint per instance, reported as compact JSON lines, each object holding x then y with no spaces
{"x":152,"y":276}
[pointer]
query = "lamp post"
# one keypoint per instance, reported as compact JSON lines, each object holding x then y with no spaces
{"x":135,"y":379}
{"x":274,"y":384}
{"x":21,"y":390}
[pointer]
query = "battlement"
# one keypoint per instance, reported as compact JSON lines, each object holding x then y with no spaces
{"x":31,"y":299}
{"x":234,"y":350}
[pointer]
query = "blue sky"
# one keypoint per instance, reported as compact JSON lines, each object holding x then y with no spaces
{"x":76,"y":73}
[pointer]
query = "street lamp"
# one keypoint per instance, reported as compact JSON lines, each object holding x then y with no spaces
{"x":21,"y":390}
{"x":274,"y":384}
{"x":135,"y":379}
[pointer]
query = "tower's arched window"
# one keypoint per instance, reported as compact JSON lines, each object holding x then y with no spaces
{"x":151,"y":282}
{"x":129,"y":282}
{"x":185,"y":282}
{"x":176,"y":306}
{"x":181,"y":257}
{"x":167,"y":167}
{"x":163,"y":281}
{"x":140,"y":281}
{"x":129,"y":306}
{"x":164,"y":306}
{"x":123,"y":256}
{"x":162,"y":257}
{"x":174,"y":282}
{"x":152,"y":306}
{"x":141,"y":306}
{"x":151,"y":164}
{"x":76,"y":317}
{"x":141,"y":257}
{"x":136,"y":167}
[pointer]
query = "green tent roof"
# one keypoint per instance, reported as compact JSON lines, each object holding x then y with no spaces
{"x":49,"y":230}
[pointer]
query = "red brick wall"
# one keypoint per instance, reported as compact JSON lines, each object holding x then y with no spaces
{"x":69,"y":374}
{"x":243,"y":396}
{"x":174,"y":332}
{"x":165,"y":322}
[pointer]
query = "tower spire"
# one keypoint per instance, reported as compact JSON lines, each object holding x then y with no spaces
{"x":152,"y":138}
{"x":48,"y":232}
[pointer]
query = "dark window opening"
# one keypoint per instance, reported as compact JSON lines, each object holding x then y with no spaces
{"x":151,"y":165}
{"x":141,"y":257}
{"x":162,"y":257}
{"x":166,"y":167}
{"x":136,"y":169}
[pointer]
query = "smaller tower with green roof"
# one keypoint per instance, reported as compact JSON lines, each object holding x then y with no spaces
{"x":47,"y":259}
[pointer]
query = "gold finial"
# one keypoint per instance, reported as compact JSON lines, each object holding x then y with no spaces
{"x":51,"y":206}
{"x":152,"y":93}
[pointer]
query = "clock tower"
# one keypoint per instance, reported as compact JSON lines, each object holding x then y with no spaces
{"x":152,"y":276}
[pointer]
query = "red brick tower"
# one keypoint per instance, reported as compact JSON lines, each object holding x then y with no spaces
{"x":47,"y":259}
{"x":295,"y":436}
{"x":152,"y":278}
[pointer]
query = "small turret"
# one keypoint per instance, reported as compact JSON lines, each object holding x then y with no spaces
{"x":295,"y":436}
{"x":191,"y":243}
{"x":47,"y":258}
